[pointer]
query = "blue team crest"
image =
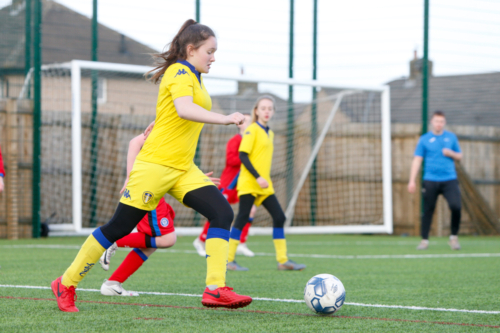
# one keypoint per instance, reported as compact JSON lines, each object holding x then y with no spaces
{"x":164,"y":222}
{"x":247,"y":132}
{"x":147,"y":196}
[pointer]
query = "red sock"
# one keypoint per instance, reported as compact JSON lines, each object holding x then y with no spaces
{"x":133,"y":240}
{"x":244,"y":233}
{"x":130,"y":264}
{"x":203,"y":235}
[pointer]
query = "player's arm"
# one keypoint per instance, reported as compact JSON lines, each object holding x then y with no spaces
{"x":232,"y":154}
{"x":245,"y":160}
{"x":188,"y":110}
{"x":134,"y":147}
{"x":415,"y":166}
{"x":453,"y":154}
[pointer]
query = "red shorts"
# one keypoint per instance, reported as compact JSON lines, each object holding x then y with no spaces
{"x":158,"y":222}
{"x":230,"y":195}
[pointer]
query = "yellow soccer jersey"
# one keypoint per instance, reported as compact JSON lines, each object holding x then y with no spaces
{"x":173,"y":140}
{"x":258,"y":143}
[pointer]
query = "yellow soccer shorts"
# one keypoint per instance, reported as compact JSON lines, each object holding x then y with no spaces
{"x":259,"y":198}
{"x":149,"y":182}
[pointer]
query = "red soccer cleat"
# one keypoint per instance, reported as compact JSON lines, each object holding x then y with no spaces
{"x":224,"y":297}
{"x":65,"y":297}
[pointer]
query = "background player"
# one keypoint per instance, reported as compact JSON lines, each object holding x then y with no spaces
{"x":227,"y":186}
{"x":440,"y":150}
{"x":255,"y":185}
{"x":165,"y":165}
{"x":2,"y":172}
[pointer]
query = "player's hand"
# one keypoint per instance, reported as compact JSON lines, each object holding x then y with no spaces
{"x":148,"y":130}
{"x":412,"y":187}
{"x":214,"y":180}
{"x":253,"y":211}
{"x":234,"y":118}
{"x":262,"y":182}
{"x":124,"y":186}
{"x":448,"y":152}
{"x":1,"y":184}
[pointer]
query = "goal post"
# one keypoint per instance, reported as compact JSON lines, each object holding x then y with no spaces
{"x":352,"y":149}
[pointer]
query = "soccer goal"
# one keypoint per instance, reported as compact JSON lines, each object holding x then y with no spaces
{"x":332,"y":150}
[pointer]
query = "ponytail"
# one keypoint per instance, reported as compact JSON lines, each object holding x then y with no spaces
{"x":192,"y":33}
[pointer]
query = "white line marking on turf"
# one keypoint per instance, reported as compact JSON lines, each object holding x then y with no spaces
{"x":278,"y":300}
{"x":320,"y":256}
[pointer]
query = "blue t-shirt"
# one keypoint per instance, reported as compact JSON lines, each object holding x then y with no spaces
{"x":437,"y":167}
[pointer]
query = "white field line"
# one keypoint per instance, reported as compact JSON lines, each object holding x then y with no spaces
{"x":280,"y":300}
{"x":298,"y":255}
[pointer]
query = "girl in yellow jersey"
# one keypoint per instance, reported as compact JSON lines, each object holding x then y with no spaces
{"x":255,"y":185}
{"x":165,"y":165}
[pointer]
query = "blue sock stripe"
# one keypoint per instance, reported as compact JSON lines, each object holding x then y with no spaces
{"x":97,"y":233}
{"x":235,"y":234}
{"x":218,"y":233}
{"x":278,"y":233}
{"x":153,"y":242}
{"x":250,"y":219}
{"x":141,"y":254}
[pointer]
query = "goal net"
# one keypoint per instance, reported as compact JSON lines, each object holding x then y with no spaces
{"x":331,"y":165}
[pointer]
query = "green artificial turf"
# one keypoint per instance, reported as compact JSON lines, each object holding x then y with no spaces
{"x":470,"y":283}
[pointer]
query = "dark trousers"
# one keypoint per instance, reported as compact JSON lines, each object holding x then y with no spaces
{"x":271,"y":204}
{"x":451,"y":192}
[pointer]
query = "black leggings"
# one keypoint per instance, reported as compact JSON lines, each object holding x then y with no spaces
{"x":451,"y":192}
{"x":271,"y":204}
{"x":208,"y":201}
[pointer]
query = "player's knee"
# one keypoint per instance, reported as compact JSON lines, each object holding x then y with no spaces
{"x":166,"y":241}
{"x":279,"y":221}
{"x":224,"y":218}
{"x":148,"y":251}
{"x":455,"y":207}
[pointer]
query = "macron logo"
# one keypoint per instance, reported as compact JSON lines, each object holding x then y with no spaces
{"x":180,"y":72}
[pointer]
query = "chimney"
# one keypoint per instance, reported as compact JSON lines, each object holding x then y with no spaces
{"x":416,"y":67}
{"x":123,"y":45}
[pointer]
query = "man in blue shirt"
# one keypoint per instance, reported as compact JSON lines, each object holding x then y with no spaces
{"x":440,"y":150}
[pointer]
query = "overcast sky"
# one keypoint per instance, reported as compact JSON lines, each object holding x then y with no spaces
{"x":360,"y":42}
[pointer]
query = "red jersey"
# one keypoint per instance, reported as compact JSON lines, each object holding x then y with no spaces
{"x":232,"y":168}
{"x":2,"y":170}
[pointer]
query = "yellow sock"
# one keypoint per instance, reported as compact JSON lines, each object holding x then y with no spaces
{"x":217,"y":249}
{"x":233,"y":244}
{"x":280,"y":246}
{"x":86,"y":258}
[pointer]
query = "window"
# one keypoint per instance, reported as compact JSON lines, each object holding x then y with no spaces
{"x":102,"y":95}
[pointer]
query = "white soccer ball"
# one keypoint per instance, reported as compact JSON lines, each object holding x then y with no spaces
{"x":324,"y":294}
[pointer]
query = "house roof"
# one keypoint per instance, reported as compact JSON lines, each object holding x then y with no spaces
{"x":66,"y":35}
{"x":472,"y":99}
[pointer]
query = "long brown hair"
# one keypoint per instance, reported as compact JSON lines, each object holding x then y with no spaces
{"x":192,"y":33}
{"x":254,"y":110}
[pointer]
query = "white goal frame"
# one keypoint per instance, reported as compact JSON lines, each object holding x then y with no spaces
{"x":75,"y":228}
